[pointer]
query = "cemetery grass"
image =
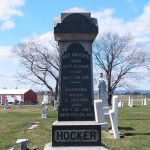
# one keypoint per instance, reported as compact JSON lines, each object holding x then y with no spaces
{"x":14,"y":124}
{"x":134,"y":123}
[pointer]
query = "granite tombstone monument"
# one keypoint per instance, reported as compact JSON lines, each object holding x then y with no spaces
{"x":76,"y":126}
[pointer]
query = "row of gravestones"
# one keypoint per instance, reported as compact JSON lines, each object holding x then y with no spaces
{"x":131,"y":102}
{"x":100,"y":116}
{"x":101,"y":107}
{"x":45,"y":101}
{"x":6,"y":106}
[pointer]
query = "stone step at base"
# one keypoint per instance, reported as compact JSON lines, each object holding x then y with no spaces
{"x":49,"y":147}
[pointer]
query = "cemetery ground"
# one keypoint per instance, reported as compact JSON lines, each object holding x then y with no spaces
{"x":133,"y":122}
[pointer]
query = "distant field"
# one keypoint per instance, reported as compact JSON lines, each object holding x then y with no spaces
{"x":137,"y":99}
{"x":14,"y":123}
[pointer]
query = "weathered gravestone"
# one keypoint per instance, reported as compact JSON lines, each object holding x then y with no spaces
{"x":114,"y":117}
{"x":120,"y":104}
{"x":76,"y":124}
{"x":19,"y":105}
{"x":99,"y":114}
{"x":56,"y":104}
{"x":44,"y":110}
{"x":145,"y":101}
{"x":130,"y":102}
{"x":6,"y":106}
{"x":102,"y":94}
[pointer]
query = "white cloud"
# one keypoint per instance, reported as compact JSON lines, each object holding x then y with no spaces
{"x":8,"y":9}
{"x":47,"y":36}
{"x":8,"y":24}
{"x":139,"y":26}
{"x":75,"y":9}
{"x":71,"y":10}
{"x":9,"y":80}
{"x":107,"y":23}
{"x":46,"y":39}
{"x":131,"y":5}
{"x":8,"y":67}
{"x":5,"y":52}
{"x":43,"y":37}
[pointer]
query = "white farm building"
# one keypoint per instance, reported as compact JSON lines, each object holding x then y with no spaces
{"x":24,"y":95}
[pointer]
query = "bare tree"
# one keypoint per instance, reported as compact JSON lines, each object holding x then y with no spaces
{"x":40,"y":62}
{"x":117,"y":57}
{"x":147,"y":62}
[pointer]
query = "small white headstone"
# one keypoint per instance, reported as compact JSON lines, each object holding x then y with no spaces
{"x":142,"y":102}
{"x":19,"y":105}
{"x":120,"y":104}
{"x":131,"y":102}
{"x":56,"y":105}
{"x":145,"y":101}
{"x":47,"y":99}
{"x":44,"y":110}
{"x":6,"y":106}
{"x":114,"y":117}
{"x":99,"y":114}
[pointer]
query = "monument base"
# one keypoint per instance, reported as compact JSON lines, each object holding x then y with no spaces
{"x":76,"y":133}
{"x":50,"y":147}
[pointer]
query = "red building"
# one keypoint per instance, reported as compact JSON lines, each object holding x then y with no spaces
{"x":24,"y":95}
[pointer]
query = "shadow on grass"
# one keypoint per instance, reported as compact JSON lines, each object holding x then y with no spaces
{"x":134,"y":134}
{"x":126,"y":128}
{"x":135,"y":119}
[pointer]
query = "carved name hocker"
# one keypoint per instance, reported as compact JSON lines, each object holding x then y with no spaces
{"x":76,"y":135}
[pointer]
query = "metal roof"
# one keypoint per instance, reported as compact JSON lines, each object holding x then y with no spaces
{"x":13,"y":91}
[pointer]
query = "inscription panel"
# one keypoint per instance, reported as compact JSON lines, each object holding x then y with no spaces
{"x":76,"y":135}
{"x":75,"y":85}
{"x":81,"y":135}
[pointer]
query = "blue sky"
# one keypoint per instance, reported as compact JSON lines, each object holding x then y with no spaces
{"x":21,"y":19}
